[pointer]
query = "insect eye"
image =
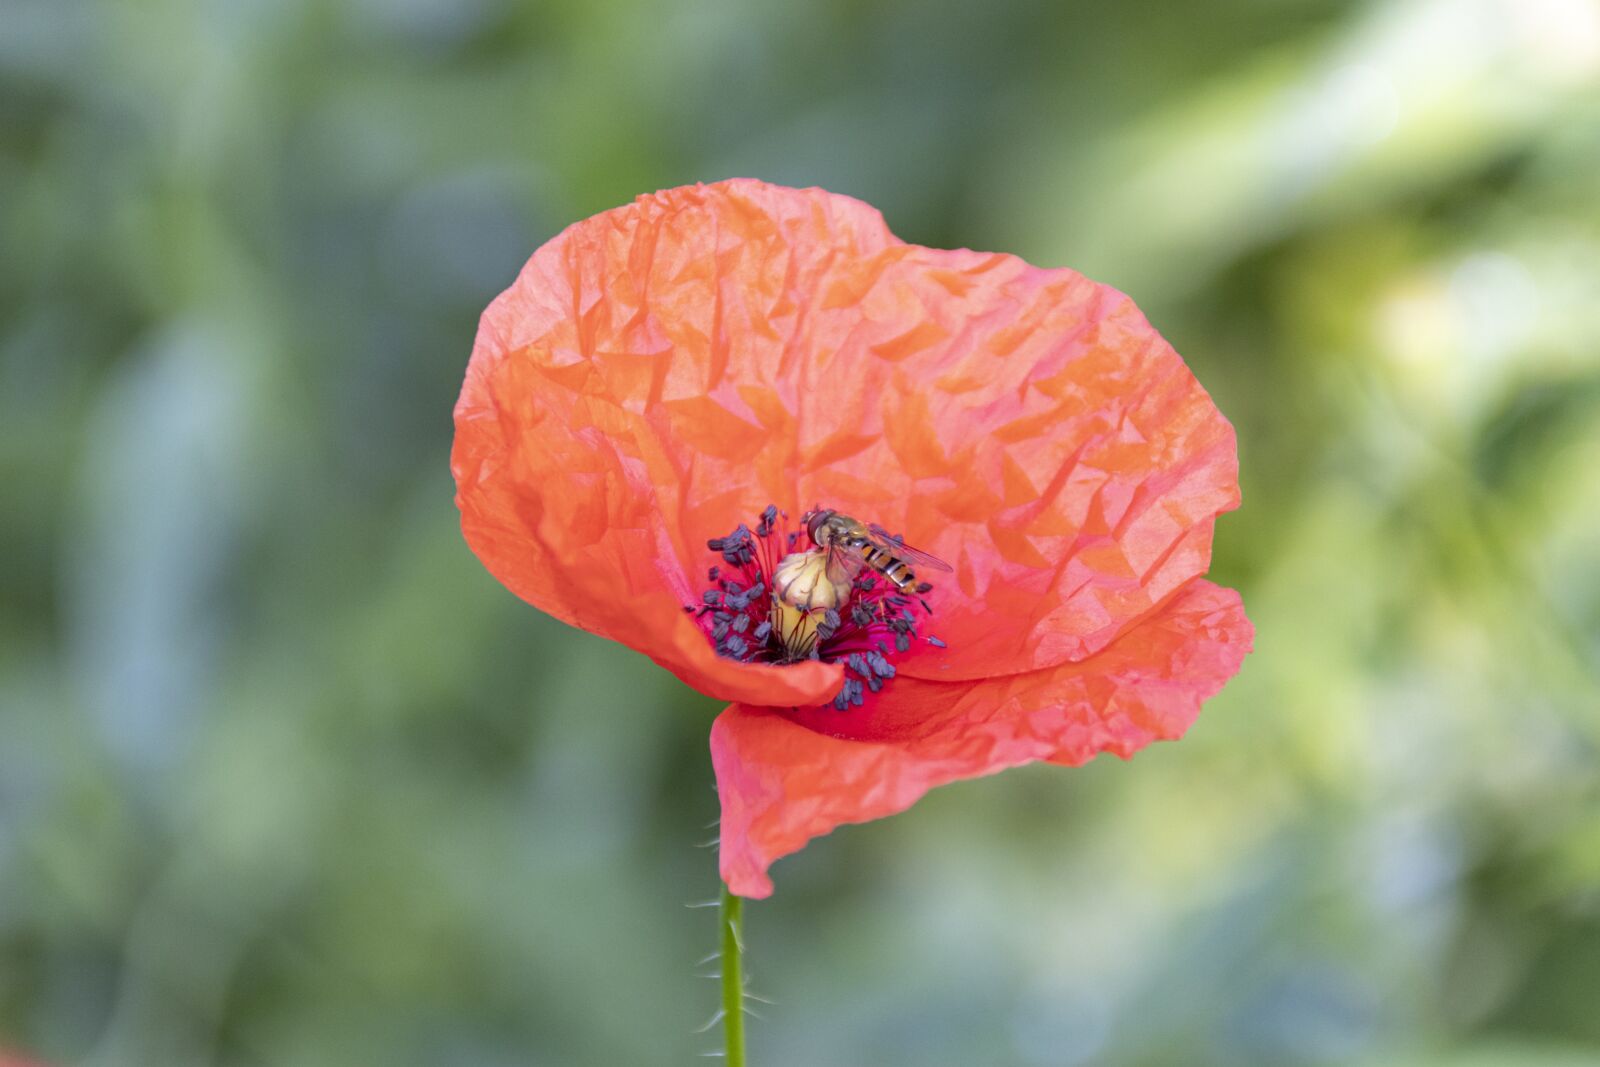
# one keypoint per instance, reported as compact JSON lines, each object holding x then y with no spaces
{"x":814,"y":523}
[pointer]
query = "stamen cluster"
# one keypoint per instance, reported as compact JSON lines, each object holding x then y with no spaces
{"x":862,"y":630}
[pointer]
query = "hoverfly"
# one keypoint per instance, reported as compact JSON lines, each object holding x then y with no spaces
{"x":857,"y":542}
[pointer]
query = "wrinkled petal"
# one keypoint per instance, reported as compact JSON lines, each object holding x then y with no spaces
{"x":602,"y":435}
{"x":660,"y":372}
{"x":1030,"y":427}
{"x":785,"y":778}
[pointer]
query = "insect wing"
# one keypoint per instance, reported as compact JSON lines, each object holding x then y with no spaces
{"x":844,"y":563}
{"x":896,"y":547}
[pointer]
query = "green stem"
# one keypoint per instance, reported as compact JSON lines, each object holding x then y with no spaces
{"x":732,"y":978}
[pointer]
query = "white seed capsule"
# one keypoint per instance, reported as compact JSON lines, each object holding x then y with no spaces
{"x":804,"y":592}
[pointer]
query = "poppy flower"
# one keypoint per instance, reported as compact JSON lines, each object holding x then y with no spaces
{"x":750,"y":358}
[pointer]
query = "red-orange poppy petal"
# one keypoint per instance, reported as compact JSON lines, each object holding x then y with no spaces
{"x":786,"y":777}
{"x":1030,"y":427}
{"x":621,"y":584}
{"x":661,"y":372}
{"x":610,"y":422}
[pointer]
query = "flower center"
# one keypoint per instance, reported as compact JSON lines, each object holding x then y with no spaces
{"x":779,"y":596}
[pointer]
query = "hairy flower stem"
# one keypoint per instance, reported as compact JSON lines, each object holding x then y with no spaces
{"x":732,"y":920}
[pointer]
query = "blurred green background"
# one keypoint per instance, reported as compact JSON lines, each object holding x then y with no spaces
{"x":287,"y":779}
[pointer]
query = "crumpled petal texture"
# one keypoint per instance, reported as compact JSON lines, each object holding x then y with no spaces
{"x":786,"y":777}
{"x":661,"y":372}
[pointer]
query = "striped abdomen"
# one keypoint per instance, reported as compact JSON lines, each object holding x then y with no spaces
{"x":896,"y":570}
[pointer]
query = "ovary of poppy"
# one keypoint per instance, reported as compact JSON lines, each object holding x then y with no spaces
{"x":663,"y":371}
